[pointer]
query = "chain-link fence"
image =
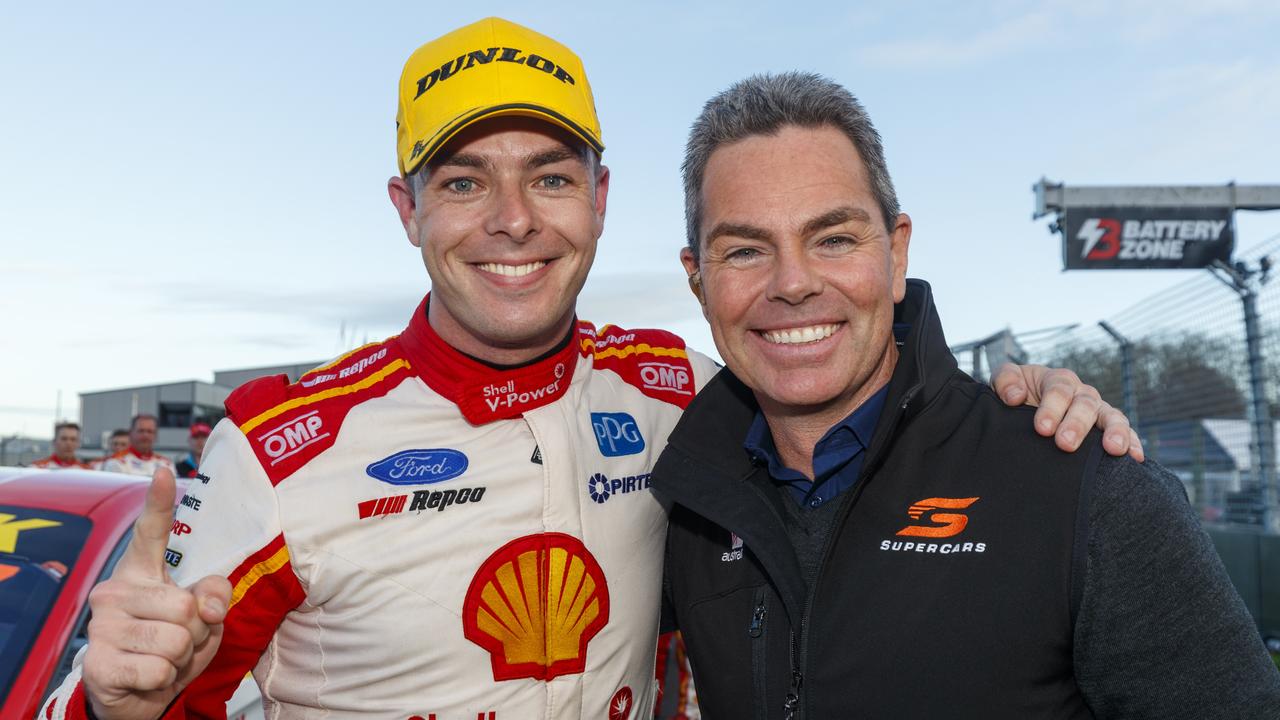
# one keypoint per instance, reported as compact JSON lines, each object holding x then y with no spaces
{"x":1185,"y":370}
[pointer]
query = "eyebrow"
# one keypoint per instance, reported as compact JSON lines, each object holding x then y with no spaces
{"x":550,"y":157}
{"x":838,"y":216}
{"x":831,"y":218}
{"x":462,"y":159}
{"x":537,"y":160}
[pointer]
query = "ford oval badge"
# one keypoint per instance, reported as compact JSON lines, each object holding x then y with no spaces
{"x":419,"y":467}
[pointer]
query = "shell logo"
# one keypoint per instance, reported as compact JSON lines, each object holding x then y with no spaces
{"x":535,"y":604}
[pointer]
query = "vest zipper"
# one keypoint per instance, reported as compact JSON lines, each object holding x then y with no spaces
{"x":800,"y":642}
{"x":759,"y":653}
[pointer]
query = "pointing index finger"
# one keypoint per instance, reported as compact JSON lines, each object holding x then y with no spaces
{"x":144,"y":558}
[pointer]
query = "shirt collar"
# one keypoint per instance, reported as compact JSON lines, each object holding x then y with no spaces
{"x":841,"y":442}
{"x":484,"y":393}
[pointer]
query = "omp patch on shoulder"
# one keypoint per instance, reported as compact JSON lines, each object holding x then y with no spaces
{"x":653,"y":361}
{"x":289,"y":424}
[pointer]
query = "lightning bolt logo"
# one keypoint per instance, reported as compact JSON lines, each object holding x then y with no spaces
{"x":1090,"y":233}
{"x":1101,"y":238}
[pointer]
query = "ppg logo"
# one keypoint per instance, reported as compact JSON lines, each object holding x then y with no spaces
{"x":617,"y":434}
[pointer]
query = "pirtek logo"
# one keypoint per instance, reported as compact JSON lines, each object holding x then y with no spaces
{"x":484,"y":57}
{"x":955,"y":522}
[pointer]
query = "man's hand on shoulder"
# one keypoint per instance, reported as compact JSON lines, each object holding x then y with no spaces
{"x":150,"y":638}
{"x":1067,"y":408}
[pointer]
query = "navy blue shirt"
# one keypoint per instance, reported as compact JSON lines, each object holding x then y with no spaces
{"x":837,"y":458}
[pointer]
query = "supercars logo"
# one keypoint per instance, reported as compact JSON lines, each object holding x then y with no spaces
{"x":419,"y":467}
{"x":10,"y":528}
{"x":617,"y":434}
{"x":952,"y":523}
{"x":535,"y":604}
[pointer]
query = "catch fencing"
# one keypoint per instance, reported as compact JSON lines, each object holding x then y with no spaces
{"x":1196,"y":368}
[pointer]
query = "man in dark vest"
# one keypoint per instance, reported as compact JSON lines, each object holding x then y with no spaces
{"x":862,"y":530}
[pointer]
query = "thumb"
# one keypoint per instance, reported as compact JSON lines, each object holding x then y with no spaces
{"x":213,"y":598}
{"x":144,"y":558}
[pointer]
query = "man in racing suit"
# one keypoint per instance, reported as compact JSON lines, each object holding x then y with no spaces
{"x":139,"y":458}
{"x":66,"y":440}
{"x":454,"y":523}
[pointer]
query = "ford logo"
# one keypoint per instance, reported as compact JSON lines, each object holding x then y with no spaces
{"x":419,"y":467}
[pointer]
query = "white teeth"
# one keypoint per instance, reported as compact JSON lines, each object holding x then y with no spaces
{"x":511,"y":270}
{"x":793,"y":336}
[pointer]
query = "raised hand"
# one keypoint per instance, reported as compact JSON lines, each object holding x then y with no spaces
{"x":149,"y":638}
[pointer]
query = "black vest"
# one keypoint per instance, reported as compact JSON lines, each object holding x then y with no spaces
{"x":949,"y":584}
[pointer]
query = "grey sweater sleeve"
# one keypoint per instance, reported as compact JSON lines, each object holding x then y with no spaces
{"x":1161,"y":631}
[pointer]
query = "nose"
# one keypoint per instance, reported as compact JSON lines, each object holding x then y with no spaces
{"x":511,"y":213}
{"x":793,"y":277}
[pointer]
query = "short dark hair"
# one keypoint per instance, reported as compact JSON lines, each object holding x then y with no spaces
{"x":65,"y":425}
{"x":763,"y":105}
{"x":133,"y":422}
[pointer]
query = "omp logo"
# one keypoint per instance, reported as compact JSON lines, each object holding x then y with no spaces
{"x":953,"y":523}
{"x":284,"y":441}
{"x":534,"y":605}
{"x":9,"y":529}
{"x":617,"y":434}
{"x":664,"y":376}
{"x":470,"y":59}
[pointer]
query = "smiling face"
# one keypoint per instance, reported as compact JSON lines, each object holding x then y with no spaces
{"x":798,"y":274}
{"x":507,"y":222}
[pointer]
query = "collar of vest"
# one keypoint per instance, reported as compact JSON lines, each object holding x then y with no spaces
{"x":139,"y":454}
{"x":483,"y":393}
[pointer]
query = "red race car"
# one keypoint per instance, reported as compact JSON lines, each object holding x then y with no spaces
{"x":60,"y":533}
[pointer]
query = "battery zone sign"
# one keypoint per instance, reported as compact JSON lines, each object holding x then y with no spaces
{"x":1135,"y":238}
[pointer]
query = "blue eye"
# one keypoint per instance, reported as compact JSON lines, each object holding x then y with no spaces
{"x":554,"y":181}
{"x":461,"y":185}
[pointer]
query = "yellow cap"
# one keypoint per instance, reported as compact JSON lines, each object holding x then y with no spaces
{"x":487,"y":69}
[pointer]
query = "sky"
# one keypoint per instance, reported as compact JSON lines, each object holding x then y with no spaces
{"x":186,"y":188}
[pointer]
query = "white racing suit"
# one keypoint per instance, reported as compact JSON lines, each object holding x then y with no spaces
{"x":412,"y":533}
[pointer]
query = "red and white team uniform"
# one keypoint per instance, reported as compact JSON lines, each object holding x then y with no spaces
{"x":133,"y":462}
{"x":410,"y":533}
{"x":54,"y":463}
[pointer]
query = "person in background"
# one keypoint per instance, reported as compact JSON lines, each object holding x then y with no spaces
{"x":116,"y":444}
{"x":139,"y":457}
{"x":66,"y":441}
{"x":189,"y":465}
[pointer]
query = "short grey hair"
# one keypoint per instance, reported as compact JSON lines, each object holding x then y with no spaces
{"x":763,"y":105}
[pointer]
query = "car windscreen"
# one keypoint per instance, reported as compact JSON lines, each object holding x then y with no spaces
{"x":38,"y":548}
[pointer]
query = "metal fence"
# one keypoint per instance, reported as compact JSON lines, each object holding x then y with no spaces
{"x":1201,"y":389}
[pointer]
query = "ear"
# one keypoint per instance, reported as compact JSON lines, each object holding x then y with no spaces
{"x":602,"y":193}
{"x":695,"y":274}
{"x":406,"y":207}
{"x":899,"y":243}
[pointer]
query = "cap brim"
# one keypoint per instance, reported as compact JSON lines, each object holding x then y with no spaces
{"x":441,"y":138}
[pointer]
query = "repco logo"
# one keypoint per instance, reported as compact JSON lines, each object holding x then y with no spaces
{"x":285,"y":440}
{"x":486,"y":56}
{"x":663,"y":376}
{"x":953,"y":523}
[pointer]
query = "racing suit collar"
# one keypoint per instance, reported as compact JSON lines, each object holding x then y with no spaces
{"x":484,"y":393}
{"x":141,"y":455}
